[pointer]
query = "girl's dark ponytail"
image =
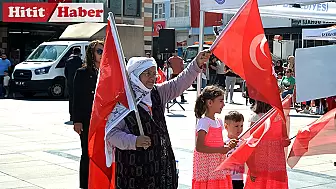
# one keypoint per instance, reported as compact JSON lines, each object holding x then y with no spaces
{"x":200,"y":106}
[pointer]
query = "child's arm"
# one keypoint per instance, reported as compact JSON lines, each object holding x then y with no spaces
{"x":201,"y":147}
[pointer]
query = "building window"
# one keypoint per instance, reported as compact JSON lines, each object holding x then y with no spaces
{"x":179,"y":8}
{"x":132,"y":8}
{"x":159,"y":10}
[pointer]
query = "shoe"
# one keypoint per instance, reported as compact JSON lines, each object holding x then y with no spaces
{"x":231,"y":102}
{"x":183,"y":101}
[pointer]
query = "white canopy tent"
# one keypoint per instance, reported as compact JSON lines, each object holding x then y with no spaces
{"x":274,"y":8}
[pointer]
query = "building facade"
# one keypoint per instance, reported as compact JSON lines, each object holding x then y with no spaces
{"x":18,"y":40}
{"x":177,"y":14}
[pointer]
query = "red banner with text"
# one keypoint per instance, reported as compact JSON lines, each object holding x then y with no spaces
{"x":53,"y":12}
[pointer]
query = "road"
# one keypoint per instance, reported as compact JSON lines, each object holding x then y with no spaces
{"x":38,"y":150}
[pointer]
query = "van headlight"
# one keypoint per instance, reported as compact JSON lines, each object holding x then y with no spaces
{"x":44,"y":70}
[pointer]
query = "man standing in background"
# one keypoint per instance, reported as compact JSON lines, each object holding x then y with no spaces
{"x":176,"y":63}
{"x":71,"y":65}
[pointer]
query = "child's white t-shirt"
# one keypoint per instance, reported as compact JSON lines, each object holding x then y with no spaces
{"x":6,"y":80}
{"x":235,"y":174}
{"x":205,"y":122}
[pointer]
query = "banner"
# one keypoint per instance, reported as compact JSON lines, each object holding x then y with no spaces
{"x":319,"y":34}
{"x":157,"y":27}
{"x":211,"y":5}
{"x":53,"y":12}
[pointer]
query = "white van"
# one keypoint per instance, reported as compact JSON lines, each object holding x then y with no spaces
{"x":43,"y":70}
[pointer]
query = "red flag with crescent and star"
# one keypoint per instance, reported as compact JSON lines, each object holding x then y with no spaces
{"x":160,"y":77}
{"x":317,"y":138}
{"x":263,"y":150}
{"x":243,"y":47}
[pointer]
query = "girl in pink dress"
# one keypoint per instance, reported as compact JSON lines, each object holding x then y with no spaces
{"x":210,"y":149}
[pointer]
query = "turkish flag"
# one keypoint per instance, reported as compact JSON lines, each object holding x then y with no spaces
{"x":263,"y":151}
{"x":316,"y":138}
{"x":161,"y":76}
{"x":243,"y":47}
{"x":112,"y":89}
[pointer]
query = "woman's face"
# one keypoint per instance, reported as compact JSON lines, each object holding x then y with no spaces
{"x":98,"y":52}
{"x":148,"y":77}
{"x":278,"y":63}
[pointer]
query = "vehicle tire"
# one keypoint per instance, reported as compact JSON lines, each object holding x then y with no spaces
{"x":27,"y":94}
{"x":57,"y":89}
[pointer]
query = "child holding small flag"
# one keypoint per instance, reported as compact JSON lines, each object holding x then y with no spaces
{"x":234,"y":122}
{"x":210,"y":148}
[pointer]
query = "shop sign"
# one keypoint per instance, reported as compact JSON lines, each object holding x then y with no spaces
{"x":309,"y":22}
{"x":53,"y":12}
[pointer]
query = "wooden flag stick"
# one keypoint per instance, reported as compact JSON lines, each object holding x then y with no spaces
{"x":122,"y":59}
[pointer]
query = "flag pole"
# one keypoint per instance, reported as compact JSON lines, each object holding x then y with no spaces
{"x":122,"y":59}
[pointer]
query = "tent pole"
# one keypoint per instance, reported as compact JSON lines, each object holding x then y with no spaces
{"x":200,"y":48}
{"x":302,"y":40}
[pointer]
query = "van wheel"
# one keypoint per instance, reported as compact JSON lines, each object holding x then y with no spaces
{"x":57,"y":90}
{"x":27,"y":94}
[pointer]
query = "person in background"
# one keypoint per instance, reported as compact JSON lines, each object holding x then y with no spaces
{"x":270,"y":150}
{"x":6,"y":80}
{"x":234,"y":122}
{"x":71,"y":65}
{"x":278,"y":68}
{"x":230,"y":82}
{"x":148,"y":55}
{"x":176,"y":63}
{"x":213,"y":70}
{"x":5,"y":64}
{"x":221,"y":74}
{"x":291,"y":64}
{"x":287,"y":83}
{"x":159,"y":61}
{"x":84,"y":89}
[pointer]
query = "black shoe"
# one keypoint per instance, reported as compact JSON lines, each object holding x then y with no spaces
{"x":183,"y":100}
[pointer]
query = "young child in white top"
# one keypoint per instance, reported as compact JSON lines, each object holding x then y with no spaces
{"x":234,"y":122}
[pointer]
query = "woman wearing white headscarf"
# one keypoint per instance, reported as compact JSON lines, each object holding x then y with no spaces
{"x":148,"y":161}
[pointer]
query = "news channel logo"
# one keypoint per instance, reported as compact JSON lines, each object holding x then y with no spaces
{"x":220,"y":1}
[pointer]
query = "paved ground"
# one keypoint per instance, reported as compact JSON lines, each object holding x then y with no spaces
{"x":37,"y":150}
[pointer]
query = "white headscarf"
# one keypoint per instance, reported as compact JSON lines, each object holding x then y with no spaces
{"x":135,"y":67}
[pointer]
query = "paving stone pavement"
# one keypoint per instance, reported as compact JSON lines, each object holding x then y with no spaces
{"x":38,"y":150}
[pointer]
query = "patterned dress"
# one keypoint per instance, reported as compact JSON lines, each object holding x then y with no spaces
{"x":204,"y":165}
{"x":268,"y":162}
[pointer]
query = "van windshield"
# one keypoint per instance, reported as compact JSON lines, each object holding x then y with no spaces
{"x":191,"y":53}
{"x":46,"y":53}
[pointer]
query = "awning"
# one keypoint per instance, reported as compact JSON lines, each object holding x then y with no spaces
{"x":308,"y":10}
{"x":84,"y":31}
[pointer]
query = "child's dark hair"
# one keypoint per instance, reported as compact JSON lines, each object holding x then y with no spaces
{"x":262,"y":107}
{"x":234,"y":116}
{"x":280,"y":73}
{"x":6,"y":71}
{"x":208,"y":93}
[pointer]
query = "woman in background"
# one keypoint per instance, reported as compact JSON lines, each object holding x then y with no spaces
{"x":84,"y":89}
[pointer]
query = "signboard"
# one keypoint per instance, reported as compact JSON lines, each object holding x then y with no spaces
{"x":309,"y":22}
{"x":157,"y":27}
{"x":212,"y":5}
{"x":53,"y":12}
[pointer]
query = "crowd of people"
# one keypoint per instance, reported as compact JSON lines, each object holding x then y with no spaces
{"x":154,"y":146}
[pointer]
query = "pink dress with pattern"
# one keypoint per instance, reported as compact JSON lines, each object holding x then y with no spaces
{"x":204,"y":165}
